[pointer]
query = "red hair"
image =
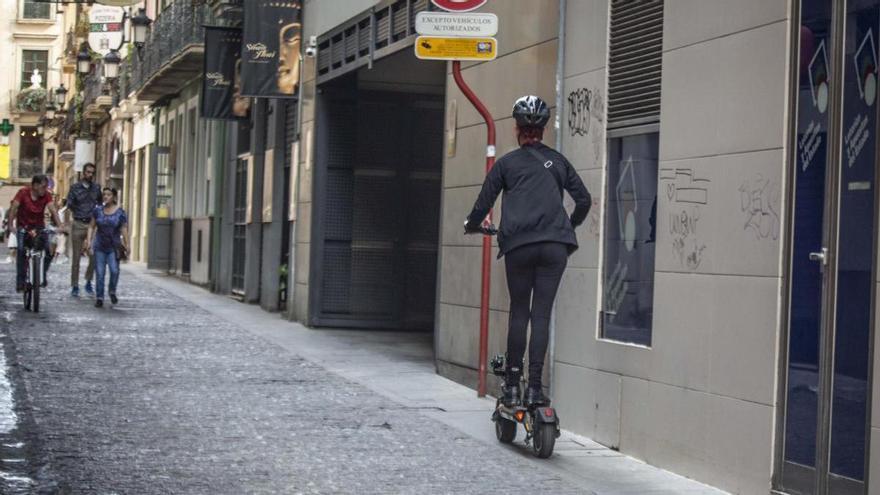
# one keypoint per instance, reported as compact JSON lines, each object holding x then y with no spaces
{"x":530,"y":134}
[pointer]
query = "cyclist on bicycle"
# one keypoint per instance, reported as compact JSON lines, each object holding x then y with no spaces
{"x":536,"y":237}
{"x":28,"y":212}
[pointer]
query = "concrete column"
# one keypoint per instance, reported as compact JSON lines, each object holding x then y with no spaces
{"x":254,"y":249}
{"x":221,"y":154}
{"x":273,"y":231}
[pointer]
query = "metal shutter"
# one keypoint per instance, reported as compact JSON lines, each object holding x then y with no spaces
{"x":635,"y":62}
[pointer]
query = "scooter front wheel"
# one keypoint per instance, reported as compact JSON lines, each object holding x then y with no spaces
{"x":505,"y":430}
{"x":544,"y":440}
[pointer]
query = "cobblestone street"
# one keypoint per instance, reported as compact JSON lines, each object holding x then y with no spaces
{"x":176,"y":390}
{"x":158,"y":396}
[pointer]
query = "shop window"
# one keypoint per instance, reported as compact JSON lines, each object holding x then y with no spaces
{"x":33,"y":10}
{"x":635,"y":56}
{"x":30,"y":153}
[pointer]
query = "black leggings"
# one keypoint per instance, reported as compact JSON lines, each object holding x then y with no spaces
{"x":533,"y":275}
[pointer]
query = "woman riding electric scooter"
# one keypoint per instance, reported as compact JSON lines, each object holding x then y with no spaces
{"x":536,"y":237}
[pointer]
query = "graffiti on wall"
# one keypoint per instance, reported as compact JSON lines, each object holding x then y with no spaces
{"x":759,"y":204}
{"x":586,"y":118}
{"x":687,"y":194}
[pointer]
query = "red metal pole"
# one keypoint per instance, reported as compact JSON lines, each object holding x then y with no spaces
{"x":487,"y":241}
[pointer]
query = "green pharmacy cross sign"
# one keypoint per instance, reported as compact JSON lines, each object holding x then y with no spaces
{"x":6,"y":127}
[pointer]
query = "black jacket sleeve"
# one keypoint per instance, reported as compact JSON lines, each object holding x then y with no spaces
{"x":578,"y":192}
{"x":492,"y":187}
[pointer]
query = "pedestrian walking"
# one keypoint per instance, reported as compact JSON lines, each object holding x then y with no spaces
{"x":108,"y":242}
{"x":82,"y":199}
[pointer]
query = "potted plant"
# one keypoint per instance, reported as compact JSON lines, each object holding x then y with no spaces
{"x":31,"y":99}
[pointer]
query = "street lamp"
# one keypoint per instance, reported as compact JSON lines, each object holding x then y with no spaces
{"x":111,"y":64}
{"x":41,"y":126}
{"x":50,"y":111}
{"x":83,"y":61}
{"x":141,"y":25}
{"x":60,"y":96}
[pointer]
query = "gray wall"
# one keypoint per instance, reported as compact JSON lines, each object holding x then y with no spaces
{"x":701,"y":400}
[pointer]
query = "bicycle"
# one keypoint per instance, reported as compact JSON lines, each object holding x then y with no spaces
{"x":35,"y":243}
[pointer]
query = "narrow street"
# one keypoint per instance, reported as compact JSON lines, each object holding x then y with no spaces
{"x":158,"y":395}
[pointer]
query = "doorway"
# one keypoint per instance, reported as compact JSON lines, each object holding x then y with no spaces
{"x":826,"y":419}
{"x":377,"y":192}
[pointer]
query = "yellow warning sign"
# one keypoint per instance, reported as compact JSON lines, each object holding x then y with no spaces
{"x":433,"y":48}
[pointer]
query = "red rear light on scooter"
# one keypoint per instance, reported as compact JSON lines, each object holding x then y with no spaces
{"x":549,"y":412}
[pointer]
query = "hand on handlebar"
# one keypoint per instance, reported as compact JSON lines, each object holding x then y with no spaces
{"x":485,"y":228}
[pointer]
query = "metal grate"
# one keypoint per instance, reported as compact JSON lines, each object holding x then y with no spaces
{"x":388,"y":26}
{"x":635,"y":62}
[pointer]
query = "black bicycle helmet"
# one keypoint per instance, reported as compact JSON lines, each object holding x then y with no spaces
{"x":531,"y":111}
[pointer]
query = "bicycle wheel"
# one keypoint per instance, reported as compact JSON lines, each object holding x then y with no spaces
{"x":35,"y":286}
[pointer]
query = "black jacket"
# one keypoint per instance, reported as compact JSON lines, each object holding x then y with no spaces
{"x":532,"y":209}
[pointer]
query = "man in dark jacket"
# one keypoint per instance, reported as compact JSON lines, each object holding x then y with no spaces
{"x":536,"y":237}
{"x":84,"y":196}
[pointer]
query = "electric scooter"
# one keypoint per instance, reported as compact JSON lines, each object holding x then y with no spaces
{"x":539,"y":420}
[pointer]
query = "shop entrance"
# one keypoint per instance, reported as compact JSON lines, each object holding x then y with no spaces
{"x":825,"y":429}
{"x":379,"y":155}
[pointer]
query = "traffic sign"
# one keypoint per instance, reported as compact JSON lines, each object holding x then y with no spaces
{"x":449,"y":24}
{"x":459,"y":5}
{"x":437,"y":48}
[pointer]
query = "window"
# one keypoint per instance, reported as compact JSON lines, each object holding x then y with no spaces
{"x":31,"y":9}
{"x":34,"y":60}
{"x":636,"y":50}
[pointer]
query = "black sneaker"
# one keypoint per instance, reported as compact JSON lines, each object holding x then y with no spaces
{"x":99,"y":303}
{"x":44,"y":283}
{"x":113,"y":299}
{"x":535,"y":397}
{"x":510,"y":395}
{"x":19,"y":288}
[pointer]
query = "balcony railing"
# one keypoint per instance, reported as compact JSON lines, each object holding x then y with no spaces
{"x":177,"y":29}
{"x":99,"y":95}
{"x":93,"y":86}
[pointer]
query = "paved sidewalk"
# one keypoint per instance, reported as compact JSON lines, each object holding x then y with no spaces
{"x":177,"y":390}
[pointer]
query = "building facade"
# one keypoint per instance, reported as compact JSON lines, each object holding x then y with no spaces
{"x":38,"y":35}
{"x":718,"y":318}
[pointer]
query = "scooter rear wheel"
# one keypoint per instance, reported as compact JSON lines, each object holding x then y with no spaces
{"x":505,"y":430}
{"x":544,"y":440}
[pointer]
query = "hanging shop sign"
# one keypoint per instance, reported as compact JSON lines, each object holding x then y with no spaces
{"x":106,"y":28}
{"x":459,"y":5}
{"x":449,"y":24}
{"x":270,"y":51}
{"x":83,"y":152}
{"x":221,"y":86}
{"x":436,"y":48}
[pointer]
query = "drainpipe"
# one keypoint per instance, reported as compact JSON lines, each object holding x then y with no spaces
{"x":560,"y":107}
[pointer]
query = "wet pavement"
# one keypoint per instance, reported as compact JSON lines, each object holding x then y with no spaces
{"x":158,"y":395}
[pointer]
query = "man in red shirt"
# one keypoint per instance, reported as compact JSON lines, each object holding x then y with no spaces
{"x":28,"y":211}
